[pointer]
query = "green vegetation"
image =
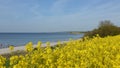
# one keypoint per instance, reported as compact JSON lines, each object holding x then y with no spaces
{"x":105,"y":28}
{"x":77,"y":32}
{"x":18,"y":52}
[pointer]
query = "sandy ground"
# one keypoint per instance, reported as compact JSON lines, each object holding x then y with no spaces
{"x":7,"y":50}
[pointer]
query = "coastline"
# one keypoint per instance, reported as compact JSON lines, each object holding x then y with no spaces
{"x":7,"y":50}
{"x":21,"y":39}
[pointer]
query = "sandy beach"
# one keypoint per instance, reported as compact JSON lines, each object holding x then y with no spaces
{"x":7,"y":50}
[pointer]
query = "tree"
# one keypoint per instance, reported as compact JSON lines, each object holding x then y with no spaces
{"x":105,"y":28}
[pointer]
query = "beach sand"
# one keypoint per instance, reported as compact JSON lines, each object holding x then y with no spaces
{"x":7,"y":50}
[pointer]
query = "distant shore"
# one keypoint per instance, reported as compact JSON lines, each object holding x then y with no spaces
{"x":7,"y":50}
{"x":77,"y":32}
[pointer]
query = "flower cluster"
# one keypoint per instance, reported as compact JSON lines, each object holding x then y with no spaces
{"x":11,"y":47}
{"x":2,"y":62}
{"x":83,"y":53}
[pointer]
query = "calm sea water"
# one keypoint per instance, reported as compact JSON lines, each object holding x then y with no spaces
{"x":18,"y":39}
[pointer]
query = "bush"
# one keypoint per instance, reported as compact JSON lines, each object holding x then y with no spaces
{"x":105,"y":28}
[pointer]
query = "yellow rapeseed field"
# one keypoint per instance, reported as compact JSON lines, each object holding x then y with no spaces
{"x":88,"y":53}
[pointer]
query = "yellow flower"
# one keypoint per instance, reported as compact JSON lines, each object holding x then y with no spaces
{"x":11,"y":48}
{"x":88,"y":53}
{"x":29,"y":47}
{"x":2,"y":61}
{"x":39,"y":44}
{"x":48,"y":44}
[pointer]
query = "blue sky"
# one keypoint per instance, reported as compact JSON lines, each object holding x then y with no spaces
{"x":56,"y":15}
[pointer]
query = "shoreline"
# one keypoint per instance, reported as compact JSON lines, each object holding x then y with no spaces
{"x":7,"y":50}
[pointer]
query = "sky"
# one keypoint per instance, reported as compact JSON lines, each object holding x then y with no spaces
{"x":56,"y":15}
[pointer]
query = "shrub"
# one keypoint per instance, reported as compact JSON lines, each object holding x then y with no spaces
{"x":105,"y":28}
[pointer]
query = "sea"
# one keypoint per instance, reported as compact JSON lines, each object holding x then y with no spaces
{"x":20,"y":39}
